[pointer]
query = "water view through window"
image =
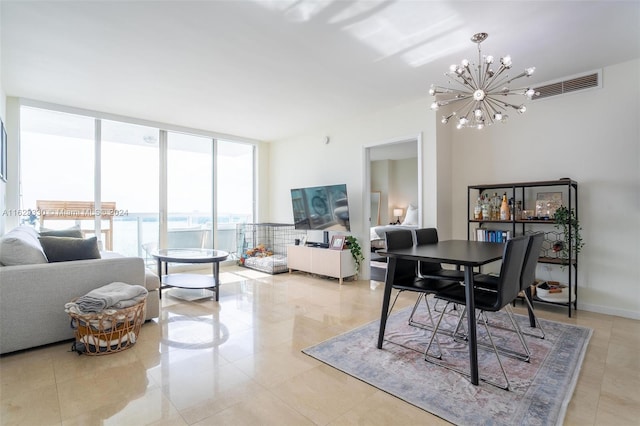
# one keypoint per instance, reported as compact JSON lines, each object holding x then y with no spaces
{"x":58,"y":162}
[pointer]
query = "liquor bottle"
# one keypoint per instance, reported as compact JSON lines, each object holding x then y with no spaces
{"x":477,"y":211}
{"x":504,"y":208}
{"x":486,"y":209}
{"x":495,"y":207}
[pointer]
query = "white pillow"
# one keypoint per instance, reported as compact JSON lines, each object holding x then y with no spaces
{"x":20,"y":246}
{"x":412,"y":216}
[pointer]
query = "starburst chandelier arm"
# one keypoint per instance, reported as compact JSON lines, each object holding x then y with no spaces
{"x":463,"y":84}
{"x":495,"y":108}
{"x":484,"y":70}
{"x":527,"y":92}
{"x":451,"y":101}
{"x":492,"y":83}
{"x":526,"y":73}
{"x":464,"y":111}
{"x":506,"y":80}
{"x":464,"y":81}
{"x":520,"y":108}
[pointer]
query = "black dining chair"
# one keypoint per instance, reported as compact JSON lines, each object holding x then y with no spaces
{"x":527,"y":279}
{"x":405,"y":275}
{"x":431,"y":270}
{"x":434,"y":270}
{"x":507,"y":290}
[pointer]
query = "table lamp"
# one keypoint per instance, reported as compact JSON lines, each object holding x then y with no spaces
{"x":398,"y":213}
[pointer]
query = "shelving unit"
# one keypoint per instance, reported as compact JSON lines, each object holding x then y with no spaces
{"x":527,"y":192}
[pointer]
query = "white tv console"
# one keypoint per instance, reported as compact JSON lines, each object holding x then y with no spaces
{"x":321,"y":261}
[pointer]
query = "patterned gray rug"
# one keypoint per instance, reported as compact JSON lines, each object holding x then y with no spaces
{"x":540,"y":389}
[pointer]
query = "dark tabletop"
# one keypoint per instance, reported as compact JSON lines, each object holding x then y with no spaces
{"x":459,"y":252}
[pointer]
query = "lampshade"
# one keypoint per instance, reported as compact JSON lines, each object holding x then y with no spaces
{"x":398,"y":212}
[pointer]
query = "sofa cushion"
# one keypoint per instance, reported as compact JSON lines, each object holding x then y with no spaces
{"x":62,"y":249}
{"x":20,"y":246}
{"x":73,"y":232}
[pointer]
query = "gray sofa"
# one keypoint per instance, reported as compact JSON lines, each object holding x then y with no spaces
{"x":32,"y":296}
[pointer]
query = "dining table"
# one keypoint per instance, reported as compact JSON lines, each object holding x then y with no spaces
{"x":462,"y":253}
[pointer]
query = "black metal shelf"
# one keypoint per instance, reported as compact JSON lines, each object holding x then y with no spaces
{"x":570,"y":188}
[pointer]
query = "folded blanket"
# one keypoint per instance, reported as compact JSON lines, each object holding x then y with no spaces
{"x":115,"y":295}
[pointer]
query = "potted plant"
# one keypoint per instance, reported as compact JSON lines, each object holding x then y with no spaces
{"x":566,"y":220}
{"x":356,"y":251}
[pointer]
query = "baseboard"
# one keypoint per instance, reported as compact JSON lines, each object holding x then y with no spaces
{"x":624,"y":313}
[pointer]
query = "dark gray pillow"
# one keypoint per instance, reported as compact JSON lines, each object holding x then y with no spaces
{"x":62,"y":249}
{"x":73,"y":232}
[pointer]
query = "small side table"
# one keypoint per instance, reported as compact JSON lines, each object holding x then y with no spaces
{"x":192,"y":281}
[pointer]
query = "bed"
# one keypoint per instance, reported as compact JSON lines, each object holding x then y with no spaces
{"x":377,"y":234}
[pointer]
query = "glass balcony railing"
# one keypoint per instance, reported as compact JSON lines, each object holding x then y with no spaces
{"x":137,"y":233}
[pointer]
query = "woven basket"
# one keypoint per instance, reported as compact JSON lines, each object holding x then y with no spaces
{"x":109,"y":331}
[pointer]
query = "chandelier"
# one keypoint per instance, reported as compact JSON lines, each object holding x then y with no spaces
{"x":481,"y":93}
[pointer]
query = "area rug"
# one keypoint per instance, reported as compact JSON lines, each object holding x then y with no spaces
{"x":540,"y":389}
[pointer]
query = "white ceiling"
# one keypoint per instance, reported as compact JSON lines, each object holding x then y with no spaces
{"x":272,"y":69}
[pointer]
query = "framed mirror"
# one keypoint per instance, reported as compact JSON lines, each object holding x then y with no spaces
{"x":375,"y":208}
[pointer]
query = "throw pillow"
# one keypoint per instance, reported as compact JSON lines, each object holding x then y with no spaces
{"x":412,"y":216}
{"x":73,"y":232}
{"x":63,"y":249}
{"x":20,"y":246}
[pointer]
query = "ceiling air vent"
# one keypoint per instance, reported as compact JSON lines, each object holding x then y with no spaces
{"x":587,"y":81}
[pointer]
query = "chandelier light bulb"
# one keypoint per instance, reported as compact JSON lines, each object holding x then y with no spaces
{"x":476,"y":93}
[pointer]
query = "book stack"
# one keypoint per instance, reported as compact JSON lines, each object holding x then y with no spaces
{"x":492,"y":235}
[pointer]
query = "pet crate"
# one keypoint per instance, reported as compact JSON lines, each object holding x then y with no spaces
{"x":263,"y":246}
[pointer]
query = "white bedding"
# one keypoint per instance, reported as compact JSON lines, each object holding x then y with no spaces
{"x":377,"y":232}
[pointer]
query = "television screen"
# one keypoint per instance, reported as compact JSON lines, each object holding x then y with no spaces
{"x":321,"y":207}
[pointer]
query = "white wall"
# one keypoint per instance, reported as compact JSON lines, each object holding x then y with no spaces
{"x":592,"y":137}
{"x":397,"y":182}
{"x":307,"y":161}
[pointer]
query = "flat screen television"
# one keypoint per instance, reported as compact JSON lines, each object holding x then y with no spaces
{"x":324,"y":208}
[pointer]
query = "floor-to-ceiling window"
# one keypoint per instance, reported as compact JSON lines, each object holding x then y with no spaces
{"x":144,"y":170}
{"x":235,"y":174}
{"x":189,"y":191}
{"x":129,"y":163}
{"x":57,"y":151}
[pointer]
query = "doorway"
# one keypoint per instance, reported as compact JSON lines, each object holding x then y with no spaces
{"x":393,"y":175}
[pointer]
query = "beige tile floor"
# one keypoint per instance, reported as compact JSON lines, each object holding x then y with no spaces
{"x":238,"y":362}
